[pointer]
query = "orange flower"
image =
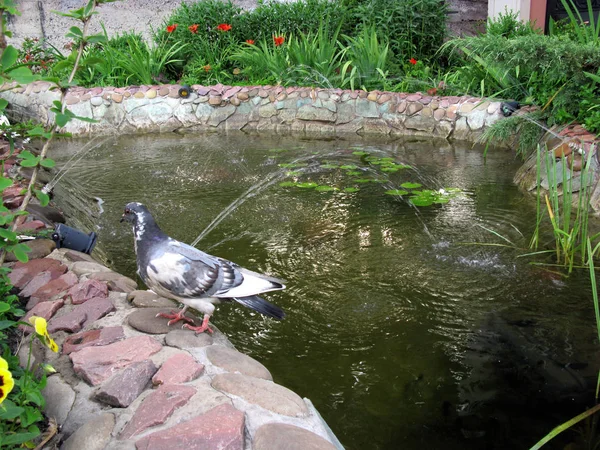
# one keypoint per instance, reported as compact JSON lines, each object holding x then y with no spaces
{"x":249,"y":41}
{"x":279,"y":40}
{"x":171,"y":28}
{"x":413,"y":61}
{"x":207,"y":67}
{"x":193,"y":28}
{"x":224,"y":27}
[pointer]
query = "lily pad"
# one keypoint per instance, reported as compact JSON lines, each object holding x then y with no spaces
{"x":421,"y":201}
{"x":351,"y":189}
{"x":349,"y":167}
{"x":364,"y":180}
{"x":307,"y":185}
{"x":360,"y":153}
{"x":354,"y":173}
{"x":324,"y":188}
{"x":293,"y":173}
{"x":409,"y":185}
{"x":329,"y":166}
{"x":396,"y":192}
{"x":390,"y":169}
{"x":287,"y":184}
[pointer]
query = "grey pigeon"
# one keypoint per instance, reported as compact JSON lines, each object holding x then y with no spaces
{"x":179,"y":271}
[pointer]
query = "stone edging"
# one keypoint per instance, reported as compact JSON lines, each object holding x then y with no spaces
{"x":125,"y":380}
{"x":257,"y":108}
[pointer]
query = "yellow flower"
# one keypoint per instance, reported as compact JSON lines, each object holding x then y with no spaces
{"x":6,"y":380}
{"x":40,"y":325}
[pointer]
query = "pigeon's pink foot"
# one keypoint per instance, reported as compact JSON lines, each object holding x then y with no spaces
{"x":202,"y":328}
{"x":176,"y":317}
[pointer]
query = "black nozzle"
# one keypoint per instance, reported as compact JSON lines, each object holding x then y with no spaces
{"x":73,"y":239}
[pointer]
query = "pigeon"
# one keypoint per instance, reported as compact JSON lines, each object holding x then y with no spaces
{"x":179,"y":271}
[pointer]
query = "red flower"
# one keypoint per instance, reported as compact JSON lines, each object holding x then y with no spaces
{"x":193,"y":28}
{"x":279,"y":40}
{"x":171,"y":28}
{"x":224,"y":27}
{"x":249,"y":41}
{"x":413,"y":61}
{"x":207,"y":67}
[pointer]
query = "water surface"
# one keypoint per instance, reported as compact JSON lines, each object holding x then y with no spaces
{"x":402,"y":332}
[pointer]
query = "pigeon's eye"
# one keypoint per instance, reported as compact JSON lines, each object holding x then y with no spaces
{"x":127,"y":210}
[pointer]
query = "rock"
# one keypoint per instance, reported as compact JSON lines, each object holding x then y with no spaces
{"x":145,"y":320}
{"x":220,"y":428}
{"x":40,"y":248}
{"x":74,"y":255}
{"x":124,"y":387}
{"x":59,"y":396}
{"x":53,"y":288}
{"x":96,"y":364}
{"x":148,"y":299}
{"x":23,"y":273}
{"x":233,"y":361}
{"x":102,"y":336}
{"x":87,"y":290}
{"x":88,"y":268}
{"x":44,"y":309}
{"x":187,"y":339}
{"x":289,"y":437}
{"x":179,"y":368}
{"x":47,"y":214}
{"x":157,"y":408}
{"x":115,"y":281}
{"x":264,"y":393}
{"x":32,"y":225}
{"x":82,"y":315}
{"x":38,"y":281}
{"x":93,"y":435}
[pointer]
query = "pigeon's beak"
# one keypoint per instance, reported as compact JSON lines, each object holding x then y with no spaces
{"x":123,"y":219}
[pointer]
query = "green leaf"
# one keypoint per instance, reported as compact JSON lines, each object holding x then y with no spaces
{"x":20,"y":251}
{"x":42,"y":197}
{"x":349,"y":167}
{"x":36,"y":397}
{"x":13,"y":440}
{"x":421,"y":201}
{"x":396,"y":192}
{"x":62,"y":119}
{"x":3,"y":104}
{"x":96,"y":39}
{"x":4,"y":307}
{"x":9,"y":411}
{"x":360,"y":153}
{"x":22,"y":75}
{"x":32,"y":162}
{"x":354,"y":173}
{"x":47,"y":162}
{"x":329,"y":166}
{"x":307,"y":185}
{"x":7,"y":234}
{"x":75,"y":32}
{"x":5,"y":183}
{"x":351,"y":189}
{"x":390,"y":169}
{"x":9,"y":57}
{"x":4,"y":324}
{"x":287,"y":184}
{"x":409,"y":185}
{"x":324,"y":188}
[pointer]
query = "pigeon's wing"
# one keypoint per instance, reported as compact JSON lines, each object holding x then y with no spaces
{"x":187,"y":272}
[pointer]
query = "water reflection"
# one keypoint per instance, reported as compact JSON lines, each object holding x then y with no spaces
{"x":388,"y":329}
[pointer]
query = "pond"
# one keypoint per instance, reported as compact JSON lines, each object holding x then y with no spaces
{"x":403,"y":326}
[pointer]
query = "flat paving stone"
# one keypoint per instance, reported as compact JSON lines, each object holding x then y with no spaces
{"x":82,"y":315}
{"x":22,"y":273}
{"x":145,"y":320}
{"x":179,"y":368}
{"x":187,"y":339}
{"x":96,"y":364}
{"x":40,"y":248}
{"x":115,"y":281}
{"x":91,"y":338}
{"x":125,"y":386}
{"x":220,"y":428}
{"x":289,"y":437}
{"x":44,"y":309}
{"x":233,"y":361}
{"x":86,"y":290}
{"x":93,"y":435}
{"x":157,"y":408}
{"x":53,"y":288}
{"x":263,"y":393}
{"x":148,"y":299}
{"x":88,"y":268}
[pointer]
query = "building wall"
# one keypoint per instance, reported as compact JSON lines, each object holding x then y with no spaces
{"x":38,"y":20}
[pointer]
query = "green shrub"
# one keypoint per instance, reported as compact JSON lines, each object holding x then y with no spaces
{"x":367,"y":58}
{"x":508,"y":25}
{"x":415,"y":28}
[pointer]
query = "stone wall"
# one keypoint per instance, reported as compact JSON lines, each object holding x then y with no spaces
{"x":305,"y":111}
{"x":38,"y":20}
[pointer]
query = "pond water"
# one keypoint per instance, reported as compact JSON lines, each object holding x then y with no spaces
{"x":403,"y":327}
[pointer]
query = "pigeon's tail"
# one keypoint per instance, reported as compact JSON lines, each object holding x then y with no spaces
{"x":262,"y":306}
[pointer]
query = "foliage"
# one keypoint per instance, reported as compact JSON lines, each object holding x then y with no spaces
{"x":508,"y":25}
{"x":415,"y":28}
{"x":367,"y":59}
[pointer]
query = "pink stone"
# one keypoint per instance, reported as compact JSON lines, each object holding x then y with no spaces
{"x":157,"y":408}
{"x":12,"y":191}
{"x":44,"y":309}
{"x":54,"y":287}
{"x":15,"y":202}
{"x":32,"y":225}
{"x":122,"y":389}
{"x":425,"y":100}
{"x":82,"y":315}
{"x":413,"y":98}
{"x":179,"y":368}
{"x":96,"y":364}
{"x":231,"y":92}
{"x":444,"y":103}
{"x":92,"y":338}
{"x":222,"y":427}
{"x":203,"y":90}
{"x":86,"y":290}
{"x":37,"y":282}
